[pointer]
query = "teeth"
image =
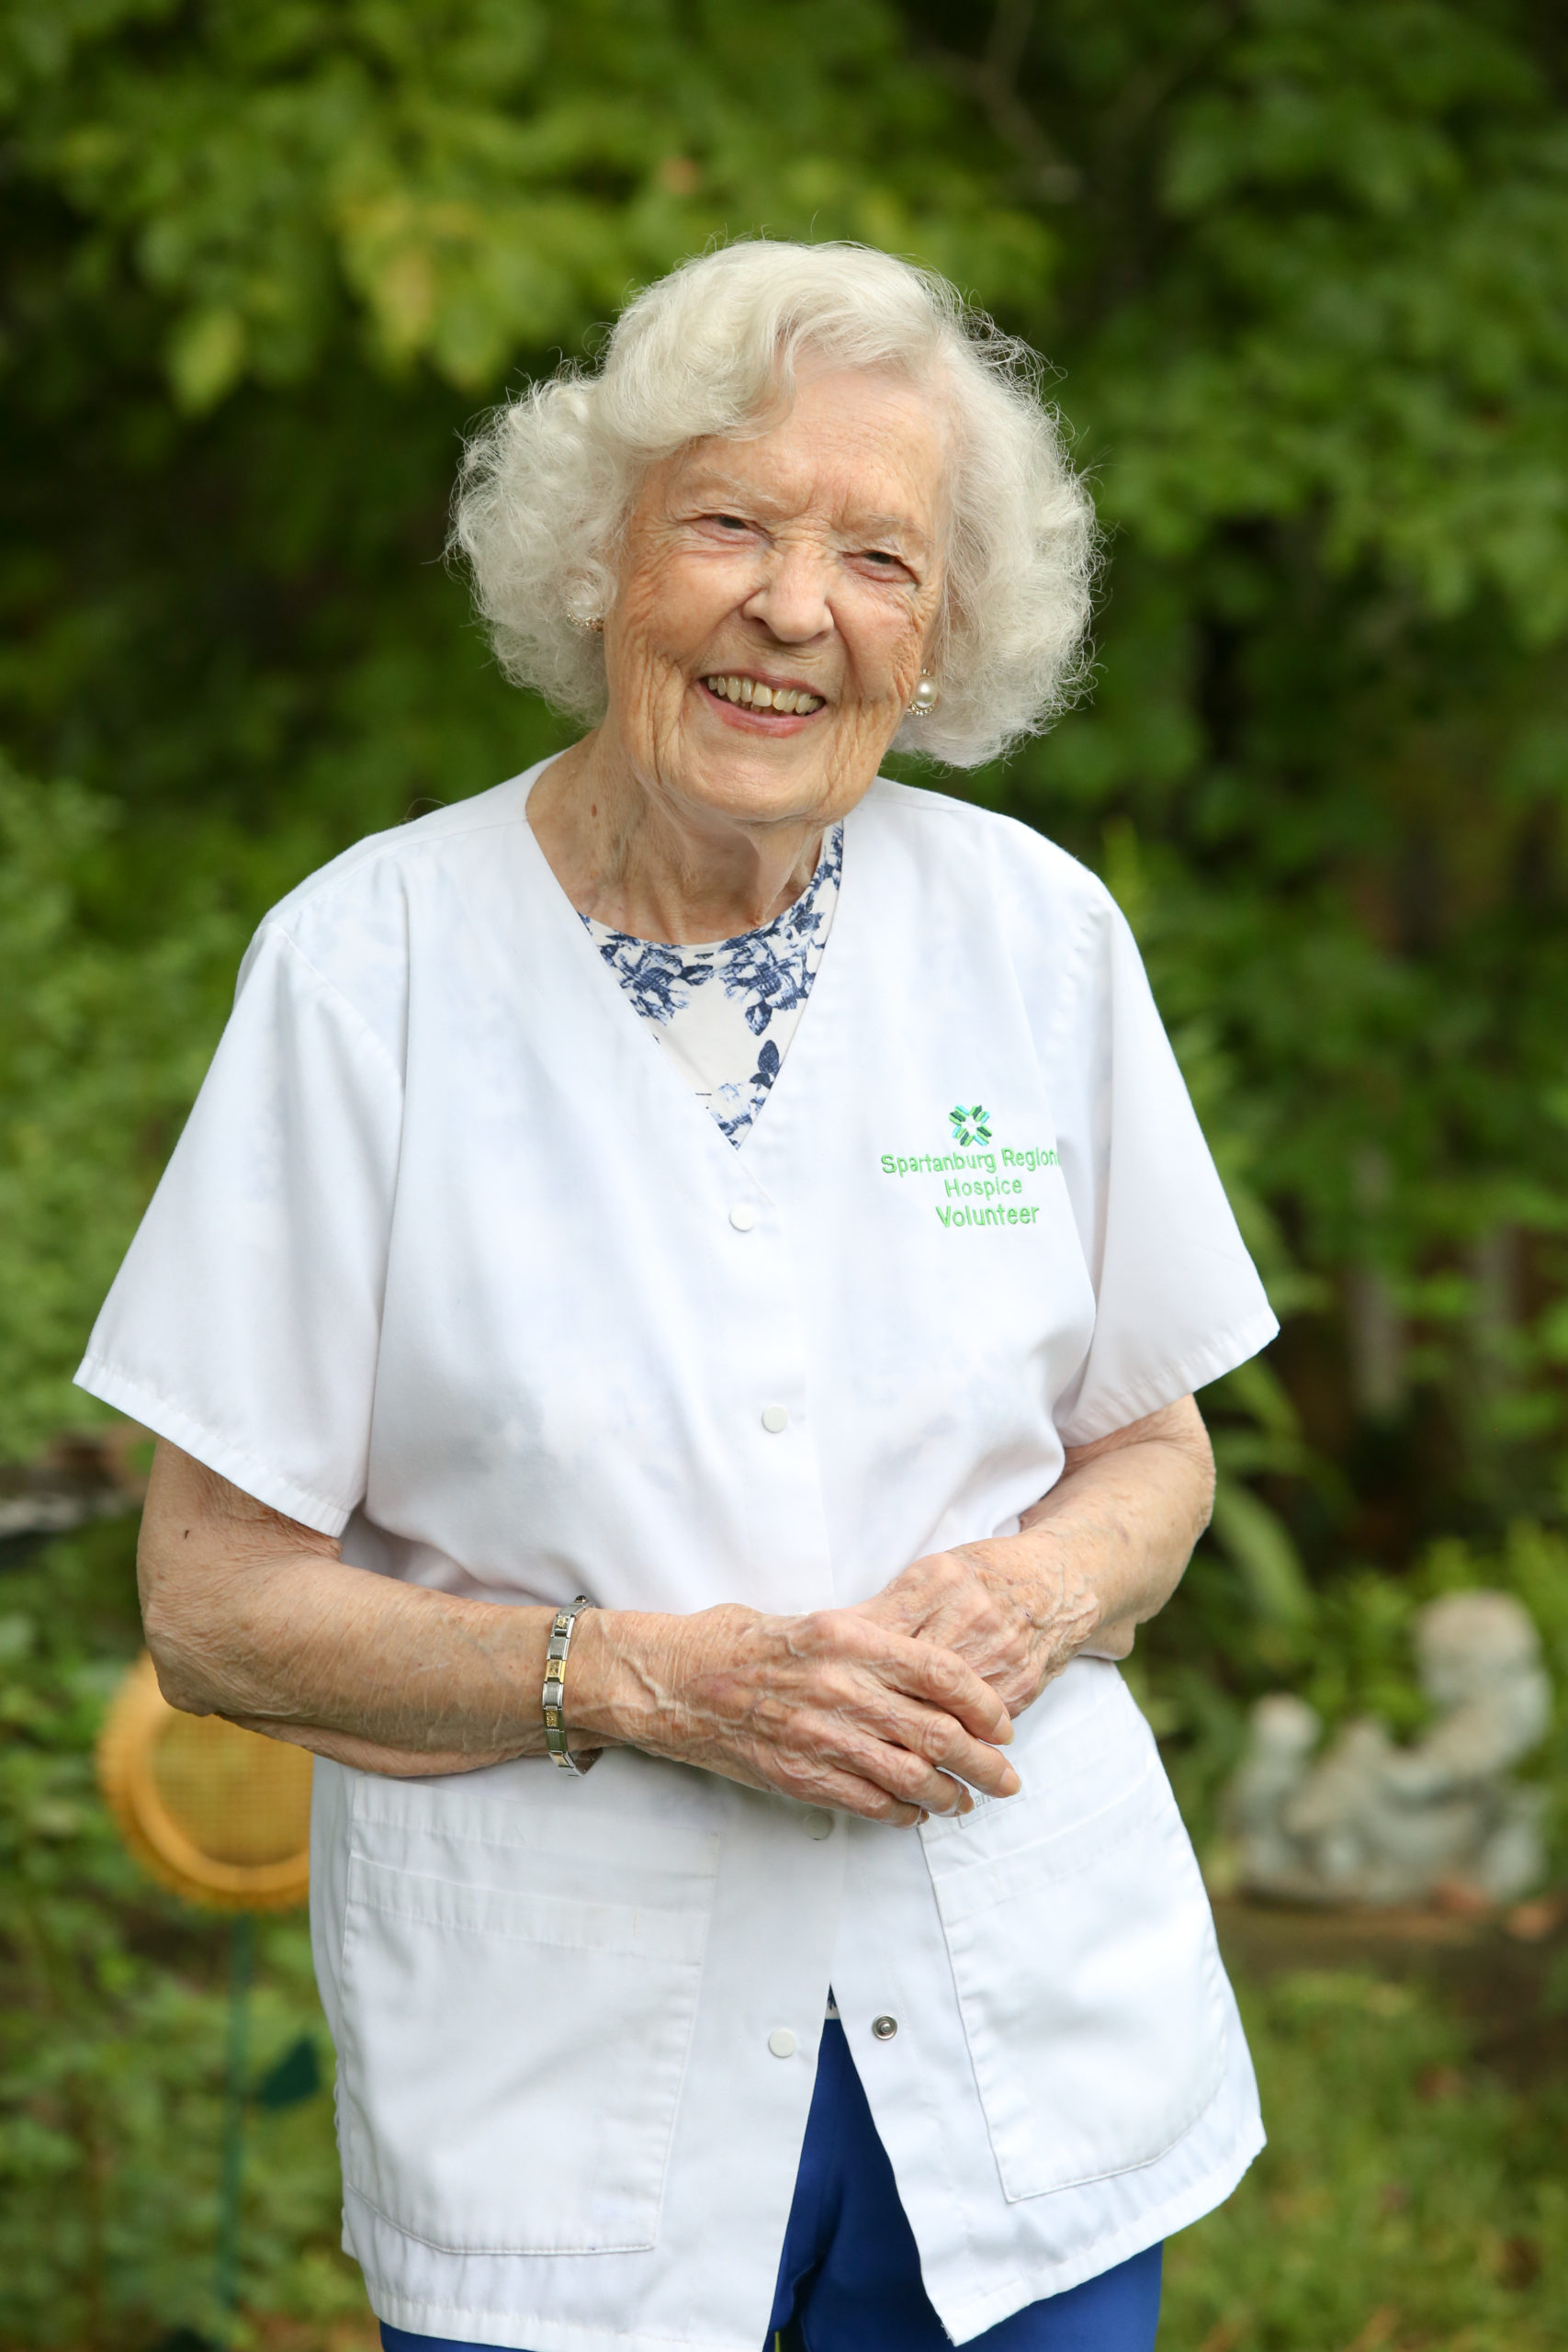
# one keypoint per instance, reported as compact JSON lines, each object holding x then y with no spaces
{"x":793,"y":700}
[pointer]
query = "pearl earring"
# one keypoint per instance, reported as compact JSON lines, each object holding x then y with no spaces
{"x":926,"y":696}
{"x":591,"y":624}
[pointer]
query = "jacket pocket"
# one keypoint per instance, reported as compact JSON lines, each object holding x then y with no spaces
{"x":1089,"y":1984}
{"x":518,"y":1989}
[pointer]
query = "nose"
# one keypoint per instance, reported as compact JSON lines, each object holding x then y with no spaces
{"x":792,"y":600}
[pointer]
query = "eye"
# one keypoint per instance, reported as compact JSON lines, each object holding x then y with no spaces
{"x":883,"y":563}
{"x":728,"y":521}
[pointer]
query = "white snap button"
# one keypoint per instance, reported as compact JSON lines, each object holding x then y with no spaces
{"x":774,"y":1418}
{"x":781,"y":2042}
{"x":819,"y":1825}
{"x":884,"y":2027}
{"x":742,"y":1217}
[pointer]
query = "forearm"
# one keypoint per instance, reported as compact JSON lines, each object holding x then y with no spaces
{"x":254,"y":1617}
{"x":376,"y":1674}
{"x":1116,"y":1531}
{"x":281,"y":1636}
{"x":1103,"y":1550}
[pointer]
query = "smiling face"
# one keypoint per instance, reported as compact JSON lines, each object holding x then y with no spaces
{"x":775,"y":600}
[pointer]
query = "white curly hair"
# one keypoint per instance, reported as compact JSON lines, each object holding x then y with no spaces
{"x":549,"y":480}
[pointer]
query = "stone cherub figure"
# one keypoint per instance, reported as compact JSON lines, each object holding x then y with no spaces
{"x":1371,"y":1822}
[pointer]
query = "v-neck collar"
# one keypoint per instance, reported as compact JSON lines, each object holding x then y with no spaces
{"x":629,"y":1022}
{"x":726,"y":1012}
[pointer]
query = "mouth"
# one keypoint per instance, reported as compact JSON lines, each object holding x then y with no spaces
{"x":744,"y":692}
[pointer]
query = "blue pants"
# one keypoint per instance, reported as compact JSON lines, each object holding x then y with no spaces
{"x":849,"y":2278}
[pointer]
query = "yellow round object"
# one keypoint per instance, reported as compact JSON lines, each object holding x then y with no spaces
{"x":220,"y":1814}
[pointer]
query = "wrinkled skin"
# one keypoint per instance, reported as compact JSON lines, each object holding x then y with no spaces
{"x":889,"y":1711}
{"x":807,"y":555}
{"x":1017,"y":1631}
{"x":831,"y":1708}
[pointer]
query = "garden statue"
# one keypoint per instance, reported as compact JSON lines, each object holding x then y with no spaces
{"x":1371,"y":1822}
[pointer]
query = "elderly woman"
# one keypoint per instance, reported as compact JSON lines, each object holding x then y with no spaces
{"x":695,"y":1261}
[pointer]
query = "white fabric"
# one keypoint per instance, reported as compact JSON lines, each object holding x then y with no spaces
{"x":445,"y":1260}
{"x":724,"y":1014}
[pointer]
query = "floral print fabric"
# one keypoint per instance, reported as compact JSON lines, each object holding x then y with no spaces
{"x":726,"y":1013}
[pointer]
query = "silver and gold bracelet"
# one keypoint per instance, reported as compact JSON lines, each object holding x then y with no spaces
{"x":553,"y":1698}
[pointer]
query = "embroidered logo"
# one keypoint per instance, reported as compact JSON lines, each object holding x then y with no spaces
{"x":980,"y":1188}
{"x":970,"y":1126}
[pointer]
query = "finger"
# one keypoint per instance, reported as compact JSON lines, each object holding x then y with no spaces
{"x":952,"y":1706}
{"x":957,"y":1612}
{"x":881,"y":1750}
{"x":851,"y":1774}
{"x":1019,"y":1692}
{"x":905,"y":1776}
{"x":940,"y":1745}
{"x":949,"y":1749}
{"x":1002,"y":1660}
{"x":931,"y":1671}
{"x":886,"y":1741}
{"x":979,"y":1635}
{"x":810,"y":1781}
{"x":851,"y":1792}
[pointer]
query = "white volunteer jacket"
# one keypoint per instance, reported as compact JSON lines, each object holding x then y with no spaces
{"x":449,"y":1260}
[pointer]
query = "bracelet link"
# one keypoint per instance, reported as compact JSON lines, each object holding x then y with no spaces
{"x":552,"y":1698}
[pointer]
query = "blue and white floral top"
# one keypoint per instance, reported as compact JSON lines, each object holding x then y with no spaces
{"x":726,"y":1013}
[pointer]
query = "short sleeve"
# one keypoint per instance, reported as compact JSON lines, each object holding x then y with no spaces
{"x":244,"y":1323}
{"x":1178,"y":1299}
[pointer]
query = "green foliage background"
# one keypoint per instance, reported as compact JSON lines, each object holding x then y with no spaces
{"x":1303,"y":266}
{"x":113,"y":2023}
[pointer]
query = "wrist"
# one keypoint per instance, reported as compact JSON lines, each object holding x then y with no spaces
{"x":602,"y":1682}
{"x":1064,"y":1594}
{"x":640,"y":1669}
{"x":562,"y":1747}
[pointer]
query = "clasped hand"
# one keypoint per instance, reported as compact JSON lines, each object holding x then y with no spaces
{"x":892,"y":1710}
